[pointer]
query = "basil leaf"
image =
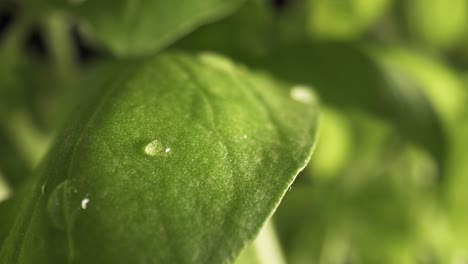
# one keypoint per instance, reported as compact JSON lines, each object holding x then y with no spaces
{"x":439,"y":23}
{"x":431,"y":74}
{"x":346,"y":77}
{"x":181,"y":160}
{"x":135,"y":27}
{"x":264,"y":250}
{"x":5,"y":190}
{"x":249,"y":30}
{"x":368,"y":212}
{"x":13,"y":165}
{"x":343,"y":19}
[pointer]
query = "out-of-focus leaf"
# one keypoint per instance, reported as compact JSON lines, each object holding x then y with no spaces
{"x":12,"y":88}
{"x":18,"y":136}
{"x":343,"y":220}
{"x":439,"y":23}
{"x":250,"y":30}
{"x":7,"y":213}
{"x":181,"y":160}
{"x":334,"y":144}
{"x":27,"y":85}
{"x":13,"y":165}
{"x":135,"y":27}
{"x":264,"y":249}
{"x":368,"y":213}
{"x":348,"y":78}
{"x":455,"y":191}
{"x":442,"y":86}
{"x":5,"y":190}
{"x":343,"y":19}
{"x":9,"y":208}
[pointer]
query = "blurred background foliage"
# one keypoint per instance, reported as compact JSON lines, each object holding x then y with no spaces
{"x":387,"y":182}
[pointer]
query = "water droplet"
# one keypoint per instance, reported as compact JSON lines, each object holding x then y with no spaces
{"x":156,"y":148}
{"x":153,"y":148}
{"x":302,"y":94}
{"x":43,"y":189}
{"x":290,"y":187}
{"x":84,"y":203}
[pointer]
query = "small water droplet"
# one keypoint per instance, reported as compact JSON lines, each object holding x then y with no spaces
{"x":84,"y":203}
{"x":290,"y":187}
{"x":156,"y":148}
{"x":43,"y":189}
{"x":302,"y":93}
{"x":153,"y":148}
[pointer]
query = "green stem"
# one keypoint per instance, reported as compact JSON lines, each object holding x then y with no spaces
{"x":60,"y":44}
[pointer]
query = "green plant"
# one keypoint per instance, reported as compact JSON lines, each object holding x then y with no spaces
{"x":177,"y":142}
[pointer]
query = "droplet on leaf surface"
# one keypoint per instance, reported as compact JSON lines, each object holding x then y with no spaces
{"x":153,"y":148}
{"x":302,"y":94}
{"x":84,"y":203}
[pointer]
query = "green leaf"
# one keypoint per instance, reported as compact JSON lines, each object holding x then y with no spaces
{"x":443,"y":87}
{"x":345,"y":75}
{"x":348,"y":78}
{"x":455,"y":193}
{"x":12,"y":88}
{"x":136,"y":27}
{"x":181,"y":160}
{"x":5,"y":190}
{"x":334,"y":147}
{"x":249,"y":30}
{"x":439,"y":23}
{"x":371,"y":212}
{"x":13,"y":165}
{"x":264,"y":250}
{"x":343,"y":19}
{"x":21,"y":140}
